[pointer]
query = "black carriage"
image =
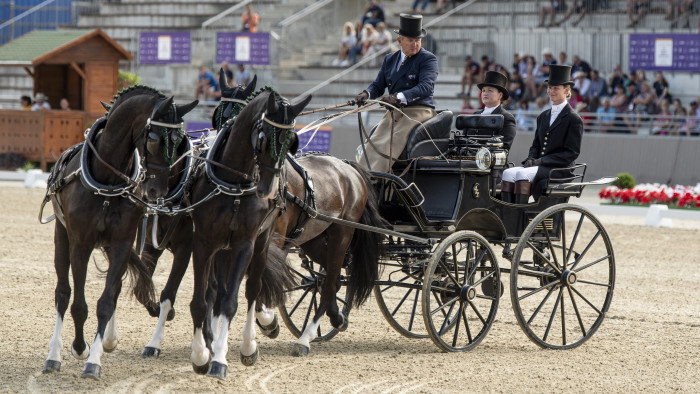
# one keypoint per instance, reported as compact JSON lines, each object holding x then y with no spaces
{"x":445,"y":217}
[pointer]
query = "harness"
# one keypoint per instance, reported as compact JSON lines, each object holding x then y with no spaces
{"x":308,"y":205}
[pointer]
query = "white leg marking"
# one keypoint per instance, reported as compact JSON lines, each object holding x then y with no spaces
{"x":220,"y":345}
{"x":248,"y":346}
{"x":309,"y":334}
{"x":265,"y":316}
{"x":200,"y":353}
{"x":157,"y":338}
{"x":56,"y":343}
{"x":215,"y":326}
{"x":111,"y":333}
{"x":97,"y":350}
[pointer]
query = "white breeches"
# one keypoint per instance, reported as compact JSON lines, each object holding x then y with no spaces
{"x":515,"y":174}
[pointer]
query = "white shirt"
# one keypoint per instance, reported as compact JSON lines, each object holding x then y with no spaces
{"x":489,"y":110}
{"x":556,"y":109}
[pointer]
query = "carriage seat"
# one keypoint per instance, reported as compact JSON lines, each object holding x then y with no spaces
{"x":432,"y":143}
{"x":478,"y":125}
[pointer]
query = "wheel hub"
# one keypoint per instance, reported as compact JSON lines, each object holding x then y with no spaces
{"x":569,"y":277}
{"x":467,"y":293}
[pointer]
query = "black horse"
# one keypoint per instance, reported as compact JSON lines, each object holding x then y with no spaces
{"x":99,"y":206}
{"x":237,"y":203}
{"x":175,"y":232}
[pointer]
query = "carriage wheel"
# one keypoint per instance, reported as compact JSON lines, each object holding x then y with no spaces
{"x":399,"y":299}
{"x":303,"y":302}
{"x":565,"y":276}
{"x":461,"y":292}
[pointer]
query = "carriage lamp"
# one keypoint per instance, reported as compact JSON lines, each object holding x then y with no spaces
{"x":499,"y":158}
{"x":483,"y":158}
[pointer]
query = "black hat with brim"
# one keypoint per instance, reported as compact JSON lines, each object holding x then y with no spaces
{"x":559,"y":75}
{"x":411,"y":26}
{"x":496,"y":80}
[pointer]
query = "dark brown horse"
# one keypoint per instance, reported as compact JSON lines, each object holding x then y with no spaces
{"x":99,"y":206}
{"x":342,"y":190}
{"x":237,"y":203}
{"x":175,"y":232}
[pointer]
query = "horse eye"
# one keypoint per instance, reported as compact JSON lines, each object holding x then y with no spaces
{"x":153,"y":136}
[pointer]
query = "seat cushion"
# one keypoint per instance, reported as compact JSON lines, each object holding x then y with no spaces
{"x":436,"y":128}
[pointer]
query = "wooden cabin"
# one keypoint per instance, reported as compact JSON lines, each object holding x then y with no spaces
{"x":80,"y":65}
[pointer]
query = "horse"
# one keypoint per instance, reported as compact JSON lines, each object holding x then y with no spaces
{"x":98,"y":206}
{"x":341,"y":190}
{"x":175,"y":232}
{"x":235,"y":207}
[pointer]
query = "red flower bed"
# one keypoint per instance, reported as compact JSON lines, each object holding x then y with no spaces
{"x":645,"y":194}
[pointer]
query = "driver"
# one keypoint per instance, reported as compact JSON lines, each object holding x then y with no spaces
{"x":557,"y":141}
{"x":410,"y":76}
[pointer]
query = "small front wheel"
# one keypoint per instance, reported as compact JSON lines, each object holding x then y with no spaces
{"x":461,"y":291}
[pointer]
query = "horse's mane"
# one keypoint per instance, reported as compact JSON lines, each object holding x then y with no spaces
{"x":131,"y":91}
{"x":258,"y":92}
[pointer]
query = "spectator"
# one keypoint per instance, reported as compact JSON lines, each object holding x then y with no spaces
{"x":636,"y":9}
{"x":529,"y":79}
{"x":65,"y":105}
{"x":439,"y":7}
{"x":516,"y":63}
{"x":357,"y":47}
{"x":523,"y":119}
{"x":250,"y":20}
{"x":228,"y":72}
{"x":598,"y":87}
{"x":563,"y":59}
{"x":467,"y":107}
{"x":382,"y":41}
{"x":620,"y":103}
{"x":349,"y":41}
{"x":606,"y":115}
{"x":543,"y":70}
{"x":582,"y":83}
{"x":207,"y":85}
{"x":641,"y":75}
{"x":485,"y":63}
{"x":243,"y":76}
{"x":522,"y":64}
{"x":516,"y":87}
{"x":371,"y":36}
{"x":661,"y":89}
{"x":373,"y":13}
{"x":664,"y":124}
{"x":617,"y":78}
{"x":681,"y":126}
{"x":676,"y":104}
{"x":40,"y":102}
{"x":552,"y":7}
{"x":25,"y":102}
{"x":543,"y":104}
{"x":692,"y":122}
{"x":580,"y":7}
{"x":575,"y":97}
{"x":470,"y":76}
{"x":580,"y":65}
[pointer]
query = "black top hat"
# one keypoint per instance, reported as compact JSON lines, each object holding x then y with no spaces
{"x":559,"y":75}
{"x":411,"y":26}
{"x":496,"y":80}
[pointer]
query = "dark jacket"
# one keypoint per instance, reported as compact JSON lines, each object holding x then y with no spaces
{"x":508,"y":130}
{"x":416,"y":78}
{"x":558,"y":145}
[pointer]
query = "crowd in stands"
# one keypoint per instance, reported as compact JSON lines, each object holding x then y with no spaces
{"x":622,"y":103}
{"x":677,"y":11}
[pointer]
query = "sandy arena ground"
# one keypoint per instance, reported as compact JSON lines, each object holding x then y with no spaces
{"x":650,"y":340}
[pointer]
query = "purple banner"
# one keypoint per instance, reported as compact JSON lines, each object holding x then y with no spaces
{"x":243,"y":48}
{"x":665,"y":52}
{"x":320,"y":143}
{"x":164,"y":47}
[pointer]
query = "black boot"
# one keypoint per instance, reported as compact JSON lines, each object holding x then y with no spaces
{"x":522,"y":198}
{"x":506,"y":196}
{"x":507,"y":191}
{"x":522,"y":192}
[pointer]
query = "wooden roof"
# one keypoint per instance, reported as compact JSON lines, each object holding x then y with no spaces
{"x":58,"y":46}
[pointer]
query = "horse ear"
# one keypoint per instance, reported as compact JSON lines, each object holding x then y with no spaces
{"x":271,"y":103}
{"x":183,"y":109}
{"x":164,"y":106}
{"x":296,"y":108}
{"x":107,"y":106}
{"x":251,"y":86}
{"x":222,"y":79}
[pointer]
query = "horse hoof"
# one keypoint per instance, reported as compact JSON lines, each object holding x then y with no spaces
{"x":217,"y":370}
{"x":200,"y":369}
{"x":51,"y":366}
{"x":171,"y":314}
{"x":300,"y":350}
{"x":343,"y":325}
{"x":250,"y":360}
{"x":92,"y":371}
{"x":272,"y":330}
{"x":150,"y":352}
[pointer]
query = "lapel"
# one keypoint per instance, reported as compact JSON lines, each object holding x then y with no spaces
{"x":402,"y":70}
{"x":564,"y":113}
{"x":497,"y":110}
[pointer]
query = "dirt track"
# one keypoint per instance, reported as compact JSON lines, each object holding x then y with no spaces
{"x":650,"y":339}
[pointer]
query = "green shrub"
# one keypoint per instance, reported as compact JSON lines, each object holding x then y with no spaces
{"x":624,"y":181}
{"x":127,"y":79}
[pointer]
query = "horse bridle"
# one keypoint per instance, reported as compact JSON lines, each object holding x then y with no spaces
{"x":280,"y":133}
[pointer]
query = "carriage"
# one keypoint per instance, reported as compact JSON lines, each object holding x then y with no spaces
{"x":445,"y":218}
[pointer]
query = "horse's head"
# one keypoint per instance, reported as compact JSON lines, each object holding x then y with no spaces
{"x":232,"y":100}
{"x":165,"y":142}
{"x":272,"y":137}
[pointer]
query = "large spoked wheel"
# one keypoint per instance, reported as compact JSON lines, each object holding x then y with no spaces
{"x":461,"y":291}
{"x":303,"y":302}
{"x":563,"y":277}
{"x":398,"y":297}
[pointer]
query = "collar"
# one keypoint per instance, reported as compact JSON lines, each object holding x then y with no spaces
{"x":489,"y":110}
{"x":557,"y":108}
{"x":402,"y":57}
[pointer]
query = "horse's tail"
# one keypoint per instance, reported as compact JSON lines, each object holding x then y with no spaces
{"x":277,"y":278}
{"x":142,"y":282}
{"x":366,"y":246}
